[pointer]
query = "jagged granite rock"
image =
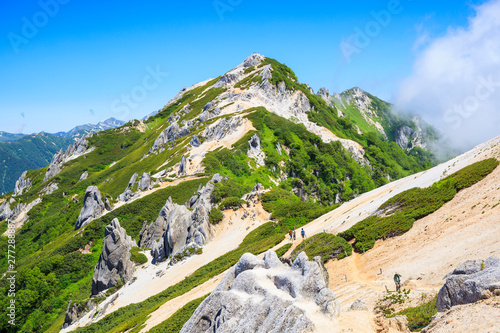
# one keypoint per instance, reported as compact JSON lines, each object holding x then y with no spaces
{"x":254,"y":195}
{"x":172,"y":133}
{"x":76,"y":311}
{"x":75,"y":150}
{"x":265,"y":296}
{"x":145,"y":182}
{"x":5,"y":210}
{"x":55,"y":165}
{"x":468,"y":282}
{"x":325,"y":94}
{"x":222,"y":128}
{"x":93,"y":207}
{"x":84,"y":176}
{"x":253,"y":60}
{"x":132,"y":180}
{"x":178,"y":228}
{"x":49,"y":189}
{"x":114,"y":263}
{"x":23,"y":183}
{"x":127,"y":196}
{"x":195,"y":141}
{"x":107,"y":204}
{"x":182,"y":166}
{"x":255,"y":150}
{"x":204,"y":116}
{"x":407,"y":138}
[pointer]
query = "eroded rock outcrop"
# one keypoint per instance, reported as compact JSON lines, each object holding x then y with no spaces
{"x":195,"y":141}
{"x":23,"y":183}
{"x":265,"y":296}
{"x":178,"y":228}
{"x":75,"y":150}
{"x":182,"y":166}
{"x":114,"y":263}
{"x":84,"y":176}
{"x":172,"y":133}
{"x":93,"y":207}
{"x":75,"y":311}
{"x":222,"y":128}
{"x":468,"y":283}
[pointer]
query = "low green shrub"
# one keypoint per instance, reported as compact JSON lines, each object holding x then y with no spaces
{"x":282,"y":250}
{"x":420,"y":316}
{"x":325,"y":245}
{"x":215,"y":216}
{"x":231,"y":203}
{"x":138,"y":258}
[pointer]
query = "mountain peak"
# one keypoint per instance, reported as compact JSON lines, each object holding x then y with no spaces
{"x":253,"y":60}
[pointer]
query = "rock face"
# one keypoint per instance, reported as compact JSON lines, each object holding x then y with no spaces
{"x":127,"y":196}
{"x":172,"y":133}
{"x":265,"y":296}
{"x":178,"y":228}
{"x":468,"y":283}
{"x":222,"y":128}
{"x":93,"y":207}
{"x":22,"y":184}
{"x":114,"y":263}
{"x":407,"y":138}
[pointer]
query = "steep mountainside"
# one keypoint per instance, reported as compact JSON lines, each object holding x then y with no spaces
{"x":9,"y":137}
{"x":251,"y":145}
{"x":26,"y":152}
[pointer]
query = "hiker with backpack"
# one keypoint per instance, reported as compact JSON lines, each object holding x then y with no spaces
{"x":303,"y":233}
{"x":397,"y":281}
{"x":294,"y":234}
{"x":290,"y":233}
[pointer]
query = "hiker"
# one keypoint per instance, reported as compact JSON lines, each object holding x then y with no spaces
{"x":294,"y":234}
{"x":291,"y":234}
{"x":303,"y":233}
{"x":397,"y":281}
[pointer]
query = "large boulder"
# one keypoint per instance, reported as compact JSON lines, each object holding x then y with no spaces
{"x":93,"y":207}
{"x":114,"y":263}
{"x":266,"y":296}
{"x":195,"y":141}
{"x":145,"y":182}
{"x":468,"y":283}
{"x":177,"y":227}
{"x":23,"y":183}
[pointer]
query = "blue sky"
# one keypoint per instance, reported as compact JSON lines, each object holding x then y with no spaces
{"x":79,"y":60}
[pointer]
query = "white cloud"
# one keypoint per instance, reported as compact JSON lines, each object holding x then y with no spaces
{"x":455,"y":84}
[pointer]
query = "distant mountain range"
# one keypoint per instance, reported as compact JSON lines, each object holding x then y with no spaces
{"x":20,"y":152}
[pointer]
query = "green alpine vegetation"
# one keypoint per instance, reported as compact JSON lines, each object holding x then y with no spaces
{"x":325,"y":245}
